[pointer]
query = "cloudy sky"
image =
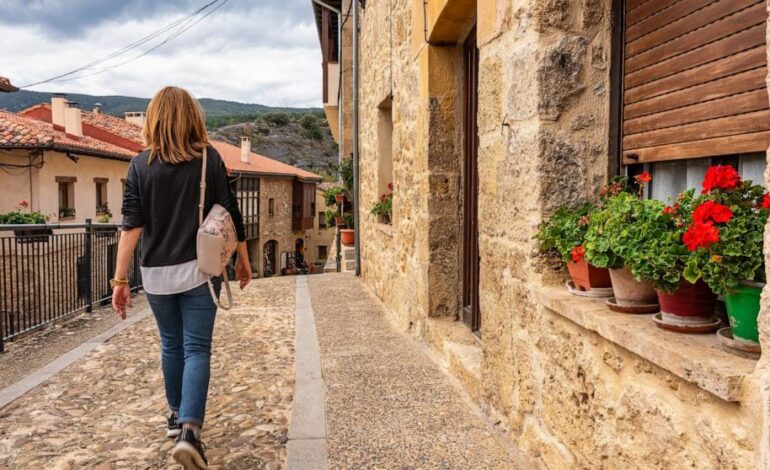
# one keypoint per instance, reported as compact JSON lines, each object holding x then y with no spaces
{"x":254,"y":51}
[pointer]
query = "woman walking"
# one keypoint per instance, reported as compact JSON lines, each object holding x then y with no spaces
{"x":160,"y":205}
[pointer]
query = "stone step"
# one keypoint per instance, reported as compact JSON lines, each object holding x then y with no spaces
{"x":465,"y":364}
{"x":350,"y":265}
{"x":349,"y":253}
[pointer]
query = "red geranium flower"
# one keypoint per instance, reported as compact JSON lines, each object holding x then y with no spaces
{"x":390,"y":186}
{"x":700,"y":235}
{"x":765,"y":202}
{"x":669,"y":210}
{"x":24,"y":204}
{"x":643,"y":177}
{"x":711,"y":211}
{"x":721,"y":177}
{"x":578,"y":253}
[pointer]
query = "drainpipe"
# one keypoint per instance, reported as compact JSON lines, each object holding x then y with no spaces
{"x":355,"y":139}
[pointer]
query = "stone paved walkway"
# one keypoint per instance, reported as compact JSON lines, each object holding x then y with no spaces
{"x":107,"y":410}
{"x":387,"y":404}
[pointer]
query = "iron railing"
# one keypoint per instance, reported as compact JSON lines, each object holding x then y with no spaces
{"x":51,"y":271}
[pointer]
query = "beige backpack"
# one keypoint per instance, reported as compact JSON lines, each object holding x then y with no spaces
{"x":216,"y":241}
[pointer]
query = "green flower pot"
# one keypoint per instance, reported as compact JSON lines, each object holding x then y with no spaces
{"x":743,"y":309}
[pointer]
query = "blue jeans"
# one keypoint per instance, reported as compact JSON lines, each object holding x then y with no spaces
{"x":186,"y":324}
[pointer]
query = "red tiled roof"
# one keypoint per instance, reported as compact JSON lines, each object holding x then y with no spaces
{"x":100,"y":126}
{"x":121,"y":128}
{"x":259,"y":164}
{"x":5,"y":85}
{"x":18,"y":131}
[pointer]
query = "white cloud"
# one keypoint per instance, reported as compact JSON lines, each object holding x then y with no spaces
{"x":263,"y":55}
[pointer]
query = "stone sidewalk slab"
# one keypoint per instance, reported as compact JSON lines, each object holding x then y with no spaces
{"x":388,"y":405}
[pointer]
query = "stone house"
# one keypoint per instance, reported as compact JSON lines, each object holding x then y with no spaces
{"x":487,"y":116}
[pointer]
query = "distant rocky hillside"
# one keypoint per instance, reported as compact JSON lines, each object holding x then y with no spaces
{"x":117,"y":105}
{"x":302,"y":140}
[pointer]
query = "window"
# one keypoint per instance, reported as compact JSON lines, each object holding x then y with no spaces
{"x":321,"y":220}
{"x":271,"y":207}
{"x":322,"y":252}
{"x":100,"y":185}
{"x":385,"y":145}
{"x":247,"y":194}
{"x":303,"y":206}
{"x":692,"y":92}
{"x":66,"y":196}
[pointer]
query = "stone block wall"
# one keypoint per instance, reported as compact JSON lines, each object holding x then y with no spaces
{"x":569,"y":396}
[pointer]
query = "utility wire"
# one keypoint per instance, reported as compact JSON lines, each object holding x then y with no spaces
{"x":182,"y":29}
{"x":129,"y":47}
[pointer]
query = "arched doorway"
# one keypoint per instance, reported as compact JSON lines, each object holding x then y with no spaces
{"x":270,"y":252}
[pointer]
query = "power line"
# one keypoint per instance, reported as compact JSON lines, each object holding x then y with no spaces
{"x":185,"y":23}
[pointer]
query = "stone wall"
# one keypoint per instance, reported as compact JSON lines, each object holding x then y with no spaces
{"x":569,"y":396}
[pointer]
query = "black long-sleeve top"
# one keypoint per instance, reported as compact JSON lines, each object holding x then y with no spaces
{"x":162,"y":198}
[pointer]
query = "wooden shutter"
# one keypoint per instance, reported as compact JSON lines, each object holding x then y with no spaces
{"x":694,"y":79}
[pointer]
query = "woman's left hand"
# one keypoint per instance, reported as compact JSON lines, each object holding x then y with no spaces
{"x":243,"y":271}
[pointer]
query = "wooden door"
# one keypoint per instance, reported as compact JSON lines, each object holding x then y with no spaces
{"x":470,"y":311}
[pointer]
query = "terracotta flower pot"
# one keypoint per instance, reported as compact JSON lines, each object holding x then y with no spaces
{"x":586,"y":276}
{"x":339,"y":198}
{"x":690,"y":302}
{"x":628,"y":291}
{"x":347,"y":236}
{"x":339,"y":221}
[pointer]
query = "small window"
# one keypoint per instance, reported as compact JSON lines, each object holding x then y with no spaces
{"x":271,"y":207}
{"x":322,"y":252}
{"x":100,"y":185}
{"x":321,"y":220}
{"x":385,"y":146}
{"x":66,"y":196}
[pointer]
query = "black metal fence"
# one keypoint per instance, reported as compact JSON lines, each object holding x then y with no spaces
{"x":49,"y":272}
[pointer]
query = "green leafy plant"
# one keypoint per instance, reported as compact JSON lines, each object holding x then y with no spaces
{"x":331,"y":194}
{"x":564,"y":231}
{"x":619,"y":228}
{"x":18,"y":216}
{"x":349,"y":221}
{"x":725,"y":236}
{"x":345,"y":170}
{"x":329,"y":218}
{"x":657,"y":254}
{"x":384,"y":207}
{"x":66,"y":212}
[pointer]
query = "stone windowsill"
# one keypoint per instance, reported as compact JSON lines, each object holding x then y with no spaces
{"x":696,"y":358}
{"x":387,"y":229}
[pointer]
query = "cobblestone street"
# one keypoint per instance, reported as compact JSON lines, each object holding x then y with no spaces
{"x":387,"y":404}
{"x":107,"y":410}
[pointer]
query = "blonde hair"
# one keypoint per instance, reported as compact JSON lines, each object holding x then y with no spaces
{"x":174,"y":130}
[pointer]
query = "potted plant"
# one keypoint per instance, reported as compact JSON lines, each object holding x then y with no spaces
{"x":564,"y":232}
{"x":725,"y":237}
{"x":383,"y":208}
{"x":19,"y":216}
{"x":103,"y":217}
{"x":661,"y":257}
{"x":334,"y":195}
{"x":66,"y":212}
{"x":347,"y":235}
{"x":614,"y":232}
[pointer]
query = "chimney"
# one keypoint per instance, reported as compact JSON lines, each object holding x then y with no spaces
{"x":136,"y":117}
{"x":97,"y":108}
{"x":73,"y":121}
{"x":58,"y":105}
{"x":245,"y":149}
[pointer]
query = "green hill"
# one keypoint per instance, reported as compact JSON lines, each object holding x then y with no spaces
{"x":117,"y":105}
